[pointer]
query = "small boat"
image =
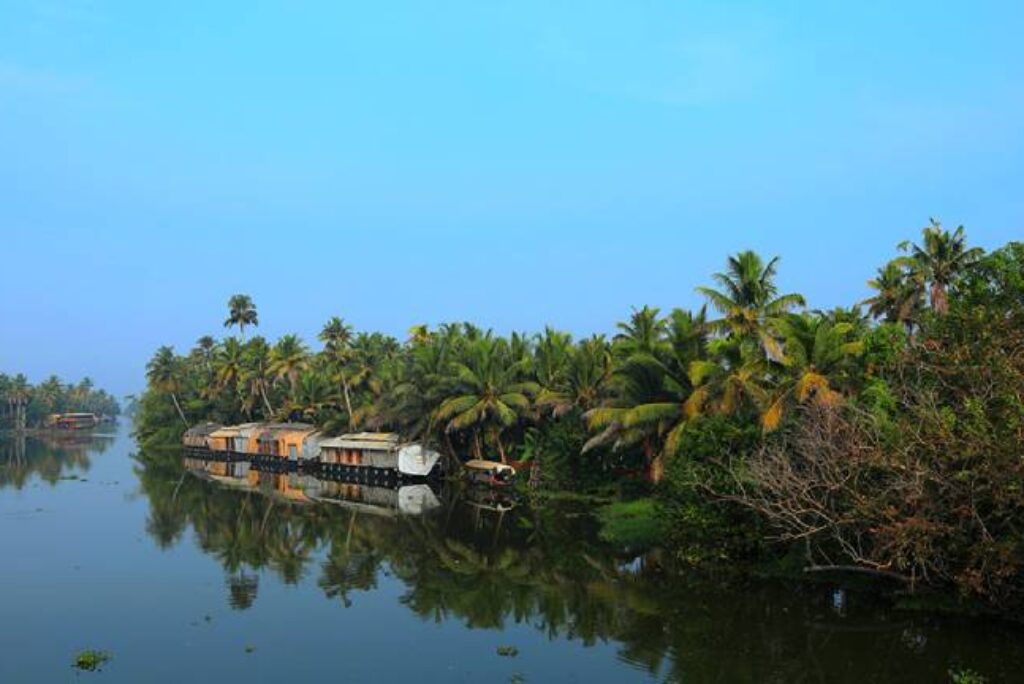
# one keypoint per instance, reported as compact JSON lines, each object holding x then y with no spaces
{"x":490,"y":473}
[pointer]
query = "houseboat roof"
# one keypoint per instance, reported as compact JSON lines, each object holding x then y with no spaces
{"x":275,"y":429}
{"x":363,"y":440}
{"x":203,"y":429}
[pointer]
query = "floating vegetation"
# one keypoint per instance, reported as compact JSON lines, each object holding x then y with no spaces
{"x":508,"y":651}
{"x":967,"y":676}
{"x":91,"y":660}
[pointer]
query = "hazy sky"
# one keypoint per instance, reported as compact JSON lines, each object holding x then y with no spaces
{"x":511,"y":163}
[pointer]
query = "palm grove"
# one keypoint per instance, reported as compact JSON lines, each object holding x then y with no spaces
{"x":52,"y":395}
{"x":882,"y":438}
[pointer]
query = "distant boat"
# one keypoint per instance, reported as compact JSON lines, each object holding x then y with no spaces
{"x":490,"y":473}
{"x":72,"y":421}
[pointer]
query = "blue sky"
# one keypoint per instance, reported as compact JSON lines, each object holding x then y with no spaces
{"x":511,"y":163}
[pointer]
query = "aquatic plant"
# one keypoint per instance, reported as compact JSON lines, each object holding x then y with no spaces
{"x":91,"y":660}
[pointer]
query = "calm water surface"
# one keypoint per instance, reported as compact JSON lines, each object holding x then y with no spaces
{"x":228,"y":575}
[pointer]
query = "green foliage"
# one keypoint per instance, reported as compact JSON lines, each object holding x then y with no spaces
{"x":701,"y":526}
{"x":966,"y":676}
{"x":695,"y":408}
{"x":90,"y":660}
{"x":53,"y":395}
{"x":633,"y":524}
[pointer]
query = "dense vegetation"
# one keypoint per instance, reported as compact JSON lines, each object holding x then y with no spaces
{"x":884,"y":437}
{"x":52,"y":396}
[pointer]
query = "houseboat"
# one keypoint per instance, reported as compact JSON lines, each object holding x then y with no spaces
{"x":73,"y":421}
{"x":376,"y":452}
{"x":197,"y":437}
{"x":371,"y":455}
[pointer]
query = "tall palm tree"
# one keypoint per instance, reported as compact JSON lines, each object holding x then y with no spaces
{"x":735,"y":378}
{"x":419,"y":334}
{"x":749,"y":301}
{"x":489,"y":393}
{"x":941,"y":259}
{"x":241,"y":312}
{"x":579,"y":387}
{"x":337,"y":338}
{"x":163,"y":372}
{"x":652,"y":405}
{"x":288,"y":358}
{"x":899,"y":294}
{"x":820,"y":364}
{"x":256,"y":376}
{"x":229,"y":364}
{"x":644,"y":333}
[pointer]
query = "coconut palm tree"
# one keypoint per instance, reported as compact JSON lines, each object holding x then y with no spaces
{"x":940,"y":260}
{"x":204,"y":351}
{"x":899,"y":294}
{"x":820,"y":364}
{"x":256,"y":375}
{"x":337,"y":338}
{"x":489,"y":393}
{"x":653,"y":406}
{"x":733,"y":379}
{"x":581,"y":384}
{"x":643,"y":334}
{"x":241,"y":312}
{"x":749,"y":301}
{"x":419,"y":334}
{"x":163,"y":372}
{"x":288,"y":358}
{"x":229,"y":365}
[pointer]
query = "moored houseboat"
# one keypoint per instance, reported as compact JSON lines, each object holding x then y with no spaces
{"x":376,"y":451}
{"x":72,"y":421}
{"x":197,"y":437}
{"x":368,"y":455}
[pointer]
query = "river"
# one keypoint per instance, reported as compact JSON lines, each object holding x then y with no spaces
{"x":216,"y":573}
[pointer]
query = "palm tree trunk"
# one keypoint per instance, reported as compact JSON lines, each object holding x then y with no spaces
{"x":501,"y":447}
{"x":940,"y":302}
{"x":658,"y":468}
{"x":266,"y":402}
{"x":174,"y":398}
{"x":348,"y":398}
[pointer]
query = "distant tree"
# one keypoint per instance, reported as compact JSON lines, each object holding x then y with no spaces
{"x":899,"y":294}
{"x":164,"y":374}
{"x":241,"y":312}
{"x":940,"y":259}
{"x":337,"y":338}
{"x":748,"y":299}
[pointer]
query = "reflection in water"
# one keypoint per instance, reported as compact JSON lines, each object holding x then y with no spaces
{"x":48,"y":456}
{"x":488,"y":563}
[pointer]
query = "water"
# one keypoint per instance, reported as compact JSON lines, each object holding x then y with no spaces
{"x":188,"y":578}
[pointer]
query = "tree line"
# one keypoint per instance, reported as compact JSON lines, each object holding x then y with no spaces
{"x":53,"y":395}
{"x":883,"y":436}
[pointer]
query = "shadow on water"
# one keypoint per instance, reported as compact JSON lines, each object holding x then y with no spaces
{"x":480,"y":559}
